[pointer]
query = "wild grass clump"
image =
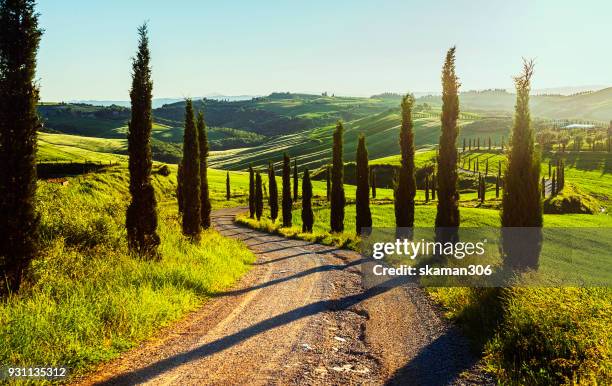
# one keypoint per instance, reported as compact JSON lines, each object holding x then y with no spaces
{"x":537,"y":336}
{"x":87,"y":298}
{"x":571,"y":200}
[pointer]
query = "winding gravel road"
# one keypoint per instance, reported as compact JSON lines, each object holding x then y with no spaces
{"x":301,"y":316}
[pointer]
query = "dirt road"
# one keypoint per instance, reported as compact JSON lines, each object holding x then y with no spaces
{"x":301,"y":316}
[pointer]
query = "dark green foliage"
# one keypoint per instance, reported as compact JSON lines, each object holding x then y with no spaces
{"x":228,"y":191}
{"x":553,"y":184}
{"x":192,"y":216}
{"x":307,"y":215}
{"x":487,"y":168}
{"x":19,"y":39}
{"x":141,"y":216}
{"x":205,"y":205}
{"x":463,"y":144}
{"x":447,"y":215}
{"x":362,"y":195}
{"x":286,"y":191}
{"x":549,"y":168}
{"x":406,"y":183}
{"x":272,"y":193}
{"x":433,"y":187}
{"x":483,"y":189}
{"x":251,"y":192}
{"x":164,"y":170}
{"x":337,"y":182}
{"x":328,"y":182}
{"x":295,"y":181}
{"x":497,"y":180}
{"x":522,"y":202}
{"x":258,"y":197}
{"x":179,"y":187}
{"x":426,"y":188}
{"x":543,"y":187}
{"x":373,"y":182}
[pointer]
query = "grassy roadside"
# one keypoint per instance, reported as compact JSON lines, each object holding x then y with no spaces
{"x":86,"y":298}
{"x":527,"y":335}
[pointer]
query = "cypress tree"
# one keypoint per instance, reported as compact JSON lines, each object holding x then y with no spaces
{"x":373,"y":182}
{"x":487,"y":167}
{"x":19,"y":223}
{"x":337,"y":182}
{"x":141,"y":216}
{"x":489,"y":143}
{"x":328,"y":182}
{"x":406,"y":184}
{"x":478,"y":146}
{"x":251,"y":192}
{"x":228,"y":192}
{"x":549,"y":168}
{"x":521,"y":202}
{"x":464,"y":144}
{"x":554,"y":184}
{"x":433,"y":186}
{"x":287,"y":201}
{"x":483,"y":189}
{"x":295,"y":181}
{"x":192,"y":216}
{"x":362,"y":196}
{"x":427,"y":188}
{"x":273,"y":193}
{"x":205,"y":205}
{"x":497,"y":184}
{"x":470,"y":147}
{"x":258,"y":197}
{"x":543,"y":187}
{"x":307,"y":215}
{"x":447,"y":216}
{"x":179,"y":187}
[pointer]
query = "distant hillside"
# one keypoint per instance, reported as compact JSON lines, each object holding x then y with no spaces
{"x":596,"y":105}
{"x":279,"y":113}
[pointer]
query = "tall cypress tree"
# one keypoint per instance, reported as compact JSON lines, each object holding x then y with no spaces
{"x":228,"y":192}
{"x":362,"y":196}
{"x":373,"y":182}
{"x":251,"y":192}
{"x":337,"y":182}
{"x":205,"y":205}
{"x":447,"y":216}
{"x":179,"y":187}
{"x":141,"y":216}
{"x":258,"y":197}
{"x":295,"y":181}
{"x":192,"y":215}
{"x":307,"y":215}
{"x":19,"y":39}
{"x":328,"y":182}
{"x":287,"y":201}
{"x":272,"y":193}
{"x":521,"y":201}
{"x":406,"y":183}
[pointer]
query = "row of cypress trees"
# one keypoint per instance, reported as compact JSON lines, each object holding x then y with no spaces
{"x":192,"y":182}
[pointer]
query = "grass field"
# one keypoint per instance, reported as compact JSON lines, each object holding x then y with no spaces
{"x":63,"y":317}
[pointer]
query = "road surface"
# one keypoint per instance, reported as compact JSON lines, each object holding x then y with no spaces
{"x":301,"y":316}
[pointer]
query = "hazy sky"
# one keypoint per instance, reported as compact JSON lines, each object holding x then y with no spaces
{"x":343,"y":47}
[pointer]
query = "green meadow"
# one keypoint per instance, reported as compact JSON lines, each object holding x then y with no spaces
{"x":63,"y":317}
